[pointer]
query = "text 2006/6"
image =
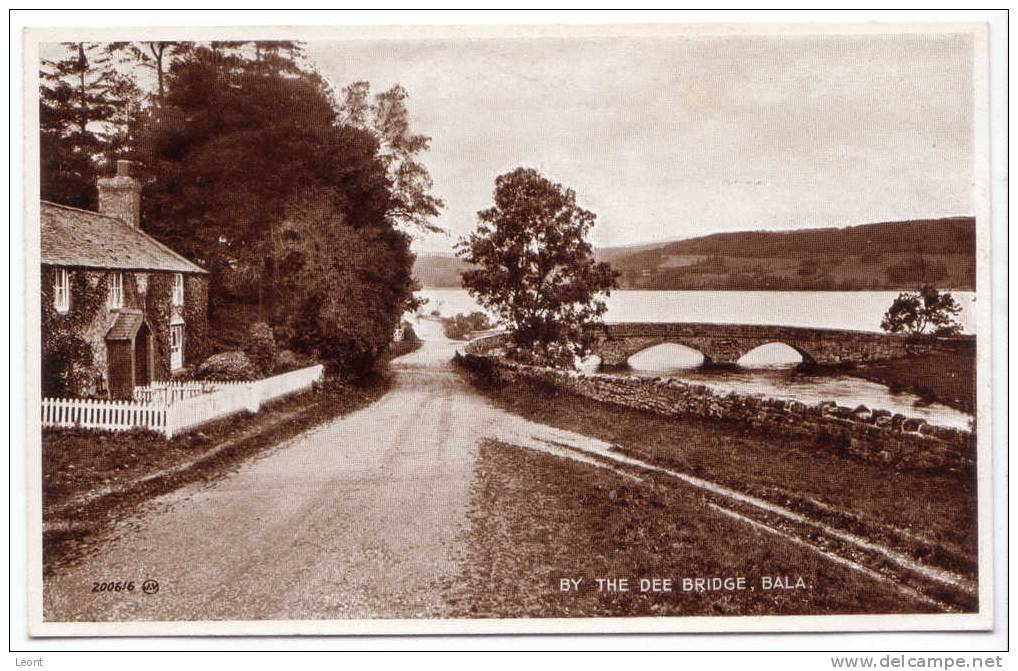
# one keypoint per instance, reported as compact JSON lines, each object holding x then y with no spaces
{"x":113,"y":586}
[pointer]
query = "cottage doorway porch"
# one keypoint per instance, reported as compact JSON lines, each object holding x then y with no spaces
{"x":143,"y":356}
{"x":129,"y":347}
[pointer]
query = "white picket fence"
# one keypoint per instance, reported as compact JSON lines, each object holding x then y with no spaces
{"x":231,"y":398}
{"x":171,"y":392}
{"x":173,"y":412}
{"x":104,"y":415}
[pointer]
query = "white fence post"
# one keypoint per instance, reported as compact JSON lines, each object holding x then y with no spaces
{"x":254,"y":401}
{"x":170,"y":417}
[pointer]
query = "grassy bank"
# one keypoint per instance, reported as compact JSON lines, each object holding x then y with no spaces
{"x":949,"y":379}
{"x":538,"y":519}
{"x":930,"y":515}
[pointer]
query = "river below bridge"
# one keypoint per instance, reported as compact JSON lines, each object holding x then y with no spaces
{"x":785,"y":380}
{"x":771,"y":369}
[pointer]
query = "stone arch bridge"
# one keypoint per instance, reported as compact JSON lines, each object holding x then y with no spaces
{"x":725,"y":344}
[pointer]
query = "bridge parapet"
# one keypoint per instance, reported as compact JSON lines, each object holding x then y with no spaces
{"x":725,"y":344}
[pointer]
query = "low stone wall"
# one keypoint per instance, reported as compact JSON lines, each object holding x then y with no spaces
{"x":872,"y":435}
{"x":486,"y":344}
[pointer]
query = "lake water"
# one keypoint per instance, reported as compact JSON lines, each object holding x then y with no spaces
{"x":768,"y":370}
{"x":859,"y":310}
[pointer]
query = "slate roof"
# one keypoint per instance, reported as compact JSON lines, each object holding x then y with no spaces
{"x":73,"y":237}
{"x":126,"y":325}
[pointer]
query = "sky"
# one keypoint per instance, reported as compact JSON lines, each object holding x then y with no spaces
{"x":673,"y":137}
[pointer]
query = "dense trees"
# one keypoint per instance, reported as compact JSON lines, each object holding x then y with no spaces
{"x":253,"y":168}
{"x":462,"y":325}
{"x":155,"y":56}
{"x":345,"y":284}
{"x":535,"y":268}
{"x":223,"y":159}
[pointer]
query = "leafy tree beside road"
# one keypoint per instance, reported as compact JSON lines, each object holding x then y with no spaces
{"x":923,"y":312}
{"x":287,"y":205}
{"x":414,"y":205}
{"x":342,"y":286}
{"x":536,"y":269}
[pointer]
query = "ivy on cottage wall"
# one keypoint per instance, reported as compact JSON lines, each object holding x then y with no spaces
{"x":71,"y":366}
{"x":160,"y":311}
{"x":196,"y":318}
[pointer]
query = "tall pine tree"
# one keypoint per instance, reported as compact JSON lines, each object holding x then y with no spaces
{"x":85,"y":110}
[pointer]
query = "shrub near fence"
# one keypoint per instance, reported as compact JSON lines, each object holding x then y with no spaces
{"x":187,"y":407}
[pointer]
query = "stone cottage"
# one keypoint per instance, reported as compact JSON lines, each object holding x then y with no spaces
{"x":119,"y":308}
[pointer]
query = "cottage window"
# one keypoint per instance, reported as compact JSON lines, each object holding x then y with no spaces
{"x":176,"y":346}
{"x":62,"y":290}
{"x":116,"y":297}
{"x":178,"y":289}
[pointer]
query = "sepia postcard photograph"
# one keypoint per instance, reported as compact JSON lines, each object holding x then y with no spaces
{"x":525,"y":329}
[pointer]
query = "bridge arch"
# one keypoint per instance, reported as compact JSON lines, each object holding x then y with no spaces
{"x":775,"y":353}
{"x":666,"y":355}
{"x":716,"y":349}
{"x":623,"y":350}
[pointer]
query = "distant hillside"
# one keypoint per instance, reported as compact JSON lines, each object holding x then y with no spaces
{"x":438,"y":270}
{"x":892,"y":255}
{"x":443,"y":270}
{"x":609,"y":254}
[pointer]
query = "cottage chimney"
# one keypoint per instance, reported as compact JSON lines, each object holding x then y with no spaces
{"x":120,"y":196}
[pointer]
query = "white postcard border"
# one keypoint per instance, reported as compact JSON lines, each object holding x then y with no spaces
{"x":982,"y":620}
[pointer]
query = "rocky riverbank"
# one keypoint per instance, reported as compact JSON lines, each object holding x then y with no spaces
{"x":948,"y":378}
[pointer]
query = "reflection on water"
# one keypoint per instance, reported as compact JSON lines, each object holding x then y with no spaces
{"x":773,"y":372}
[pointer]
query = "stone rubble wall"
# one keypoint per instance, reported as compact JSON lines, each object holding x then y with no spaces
{"x":871,"y":435}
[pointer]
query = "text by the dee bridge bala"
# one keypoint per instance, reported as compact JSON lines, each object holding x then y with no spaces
{"x":686,"y":584}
